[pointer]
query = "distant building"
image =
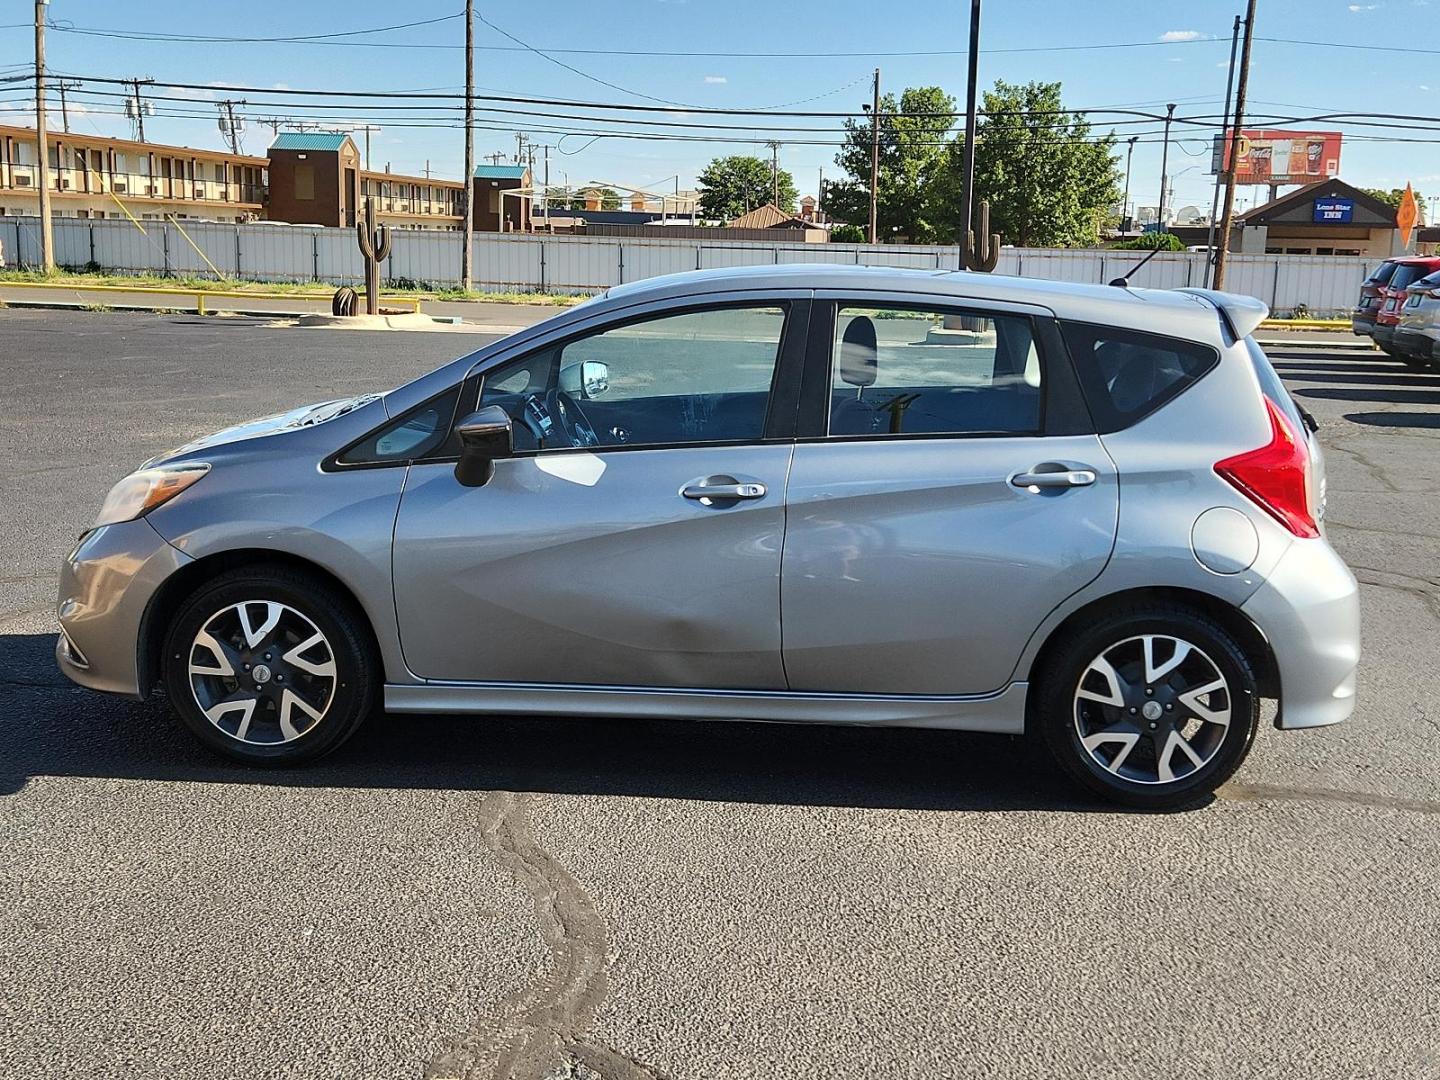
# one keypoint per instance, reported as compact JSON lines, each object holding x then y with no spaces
{"x":771,"y":216}
{"x":91,"y":176}
{"x":503,"y":198}
{"x":1328,"y":217}
{"x":316,"y":178}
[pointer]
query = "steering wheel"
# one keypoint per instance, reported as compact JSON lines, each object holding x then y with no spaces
{"x":571,"y":420}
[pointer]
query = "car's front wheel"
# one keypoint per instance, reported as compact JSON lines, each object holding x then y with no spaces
{"x":269,"y":666}
{"x":1153,"y":707}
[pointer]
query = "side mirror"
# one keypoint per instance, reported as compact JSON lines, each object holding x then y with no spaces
{"x":587,"y":379}
{"x":485,"y":437}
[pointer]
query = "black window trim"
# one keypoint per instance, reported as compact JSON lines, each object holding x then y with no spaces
{"x":780,"y":418}
{"x":1062,"y":407}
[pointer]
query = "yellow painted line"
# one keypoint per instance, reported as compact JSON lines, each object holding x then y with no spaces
{"x":160,"y":290}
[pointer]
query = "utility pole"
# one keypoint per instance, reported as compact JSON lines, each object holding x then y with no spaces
{"x":139,"y":105}
{"x":1227,"y":222}
{"x":1220,"y":165}
{"x":774,"y":172}
{"x":1164,"y":165}
{"x":467,"y":273}
{"x":875,"y":156}
{"x":47,"y":235}
{"x":228,"y":124}
{"x":820,"y":198}
{"x":367,"y":129}
{"x":1125,"y":218}
{"x":545,"y":207}
{"x":62,"y":86}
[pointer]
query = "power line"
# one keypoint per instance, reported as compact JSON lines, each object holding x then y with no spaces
{"x":64,"y":27}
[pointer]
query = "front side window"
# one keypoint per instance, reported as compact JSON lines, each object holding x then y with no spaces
{"x":696,"y":377}
{"x":919,"y":371}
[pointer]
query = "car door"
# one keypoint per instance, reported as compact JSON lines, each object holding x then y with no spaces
{"x":944,"y":497}
{"x":634,"y":538}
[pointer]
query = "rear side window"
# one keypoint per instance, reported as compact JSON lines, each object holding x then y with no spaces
{"x":1407,"y":273}
{"x":1381,"y":274}
{"x":1127,"y":375}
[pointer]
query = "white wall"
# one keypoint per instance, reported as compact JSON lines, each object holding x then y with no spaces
{"x":583,"y":264}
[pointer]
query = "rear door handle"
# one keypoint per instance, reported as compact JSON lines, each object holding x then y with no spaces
{"x":720,"y":489}
{"x":1052,"y":474}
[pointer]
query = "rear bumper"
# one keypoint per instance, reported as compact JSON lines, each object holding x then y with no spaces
{"x":1419,"y":343}
{"x":1309,"y":611}
{"x":106,"y":583}
{"x":1361,"y":326}
{"x":1384,"y":333}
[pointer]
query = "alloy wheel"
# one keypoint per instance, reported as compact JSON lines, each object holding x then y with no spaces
{"x":262,"y":672}
{"x":1152,"y":709}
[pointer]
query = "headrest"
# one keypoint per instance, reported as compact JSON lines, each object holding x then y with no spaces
{"x":857,"y":352}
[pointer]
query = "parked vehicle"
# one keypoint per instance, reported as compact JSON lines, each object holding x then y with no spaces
{"x":807,"y":494}
{"x":1417,"y":337}
{"x":1362,"y":319}
{"x":1392,"y":295}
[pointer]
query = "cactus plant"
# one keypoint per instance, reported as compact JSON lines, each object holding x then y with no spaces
{"x":375,"y":246}
{"x":984,"y":256}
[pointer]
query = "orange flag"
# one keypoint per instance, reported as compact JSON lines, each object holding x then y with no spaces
{"x":1407,"y":215}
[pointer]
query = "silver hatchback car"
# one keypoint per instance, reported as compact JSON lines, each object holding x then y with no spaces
{"x":810,"y":494}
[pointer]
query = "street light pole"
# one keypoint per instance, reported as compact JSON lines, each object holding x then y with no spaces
{"x":1125,"y":218}
{"x":967,"y":222}
{"x":1164,"y":167}
{"x":47,"y":235}
{"x":467,"y":229}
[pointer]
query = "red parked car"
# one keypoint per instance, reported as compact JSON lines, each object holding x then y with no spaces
{"x":1391,"y":295}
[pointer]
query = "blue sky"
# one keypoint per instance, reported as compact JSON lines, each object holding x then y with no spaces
{"x":1184,"y":65}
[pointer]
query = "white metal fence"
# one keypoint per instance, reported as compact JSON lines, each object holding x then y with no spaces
{"x":577,"y":264}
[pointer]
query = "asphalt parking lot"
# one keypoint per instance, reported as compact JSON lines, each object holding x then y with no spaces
{"x":454,"y":897}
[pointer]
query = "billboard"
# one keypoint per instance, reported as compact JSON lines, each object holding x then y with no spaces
{"x":1282,"y":157}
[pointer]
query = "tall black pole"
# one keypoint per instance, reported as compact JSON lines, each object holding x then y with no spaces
{"x":875,"y":161}
{"x":968,"y":166}
{"x":1220,"y":165}
{"x":1164,"y":167}
{"x":1125,"y":220}
{"x":1227,"y":219}
{"x":42,"y":143}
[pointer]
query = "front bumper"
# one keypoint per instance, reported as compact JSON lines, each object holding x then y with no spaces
{"x":1309,"y":611}
{"x":106,"y":584}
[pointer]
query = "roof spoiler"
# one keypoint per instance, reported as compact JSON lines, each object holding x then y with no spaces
{"x":1244,"y":314}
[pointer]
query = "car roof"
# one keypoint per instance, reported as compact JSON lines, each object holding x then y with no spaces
{"x":1163,"y":310}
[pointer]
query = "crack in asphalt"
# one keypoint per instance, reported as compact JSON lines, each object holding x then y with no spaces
{"x":1423,"y":588}
{"x":1376,"y":471}
{"x":542,"y":1029}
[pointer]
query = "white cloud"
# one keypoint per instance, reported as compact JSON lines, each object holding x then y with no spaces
{"x":716,"y":80}
{"x":1363,"y":7}
{"x":1424,"y":87}
{"x":1181,"y":35}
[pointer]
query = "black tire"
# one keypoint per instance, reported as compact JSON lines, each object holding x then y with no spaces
{"x":1415,"y":363}
{"x":1058,"y":708}
{"x":345,"y":698}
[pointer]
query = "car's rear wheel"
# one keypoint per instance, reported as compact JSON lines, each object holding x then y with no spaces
{"x":1415,"y":363}
{"x":1153,"y":707}
{"x":269,"y":666}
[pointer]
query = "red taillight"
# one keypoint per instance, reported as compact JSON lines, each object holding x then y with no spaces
{"x":1276,"y":477}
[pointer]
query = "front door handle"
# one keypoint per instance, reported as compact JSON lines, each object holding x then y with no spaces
{"x":1054,"y":474}
{"x":713,"y":490}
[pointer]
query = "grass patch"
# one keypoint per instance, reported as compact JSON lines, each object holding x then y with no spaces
{"x":287,"y":288}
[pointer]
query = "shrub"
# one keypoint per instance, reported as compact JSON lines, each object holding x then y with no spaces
{"x":1165,"y":241}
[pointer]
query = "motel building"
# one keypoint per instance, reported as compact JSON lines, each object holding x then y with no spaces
{"x":92,"y":176}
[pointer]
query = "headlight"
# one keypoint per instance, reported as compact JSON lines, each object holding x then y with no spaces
{"x":142,"y":491}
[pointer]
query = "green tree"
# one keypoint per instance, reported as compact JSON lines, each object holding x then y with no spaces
{"x":609,"y":198}
{"x":1050,"y":182}
{"x":1165,"y":241}
{"x":731,"y":186}
{"x":847,"y":234}
{"x":913,"y":137}
{"x":1393,"y":197}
